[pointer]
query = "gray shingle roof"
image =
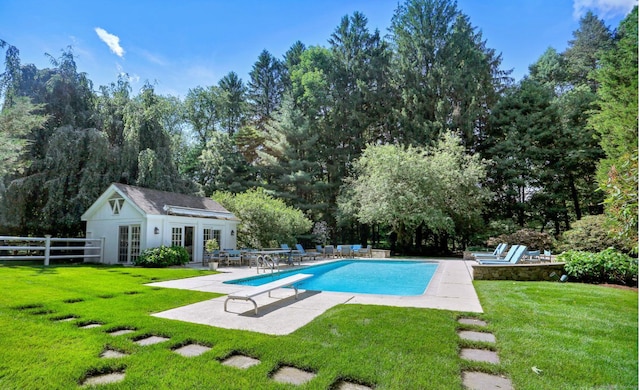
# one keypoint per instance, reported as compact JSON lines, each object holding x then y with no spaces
{"x":154,"y":201}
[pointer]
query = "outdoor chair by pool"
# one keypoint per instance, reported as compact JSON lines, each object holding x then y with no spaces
{"x":512,"y":250}
{"x":306,"y":254}
{"x":513,"y":257}
{"x":496,"y":254}
{"x":233,"y":256}
{"x":344,"y":251}
{"x":365,"y":252}
{"x":329,"y":251}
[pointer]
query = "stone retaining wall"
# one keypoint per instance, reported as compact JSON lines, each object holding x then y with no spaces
{"x":524,"y":272}
{"x":380,"y":253}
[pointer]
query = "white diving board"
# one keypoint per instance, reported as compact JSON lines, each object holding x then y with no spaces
{"x":248,"y":294}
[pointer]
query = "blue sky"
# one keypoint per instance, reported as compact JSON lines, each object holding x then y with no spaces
{"x":178,"y":45}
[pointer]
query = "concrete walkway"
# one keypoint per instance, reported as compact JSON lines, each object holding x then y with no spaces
{"x":449,"y":289}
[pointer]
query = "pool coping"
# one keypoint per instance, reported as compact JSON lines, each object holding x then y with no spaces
{"x":451,"y":288}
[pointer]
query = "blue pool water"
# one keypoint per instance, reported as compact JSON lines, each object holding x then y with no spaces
{"x":359,"y":276}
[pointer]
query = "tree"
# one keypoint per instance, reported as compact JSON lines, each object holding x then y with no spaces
{"x":523,"y":130}
{"x":147,"y":158}
{"x":446,"y":76}
{"x":265,"y":88}
{"x":17,"y":122}
{"x":221,"y":167}
{"x":203,"y":111}
{"x":407,"y":188}
{"x":550,"y":70}
{"x":265,"y":220}
{"x":616,"y":120}
{"x":232,"y":103}
{"x":590,"y":40}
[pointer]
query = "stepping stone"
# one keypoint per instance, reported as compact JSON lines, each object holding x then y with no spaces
{"x":104,"y":379}
{"x":67,"y":319}
{"x":191,"y":350}
{"x":472,"y":321}
{"x":151,"y":340}
{"x":479,"y":355}
{"x":292,"y":375}
{"x":477,"y":336}
{"x":121,"y":332}
{"x":240,"y":361}
{"x":110,"y":353}
{"x":482,"y":381}
{"x":91,"y":325}
{"x":352,"y":386}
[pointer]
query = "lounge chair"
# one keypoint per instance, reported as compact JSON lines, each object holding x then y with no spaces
{"x":365,"y":252}
{"x":513,"y":257}
{"x":508,"y":256}
{"x":304,"y":253}
{"x":320,"y":250}
{"x":496,"y":254}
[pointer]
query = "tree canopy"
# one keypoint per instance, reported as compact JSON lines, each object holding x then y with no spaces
{"x":418,"y":138}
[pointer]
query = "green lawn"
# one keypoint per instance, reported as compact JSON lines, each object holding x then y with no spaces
{"x":580,"y":336}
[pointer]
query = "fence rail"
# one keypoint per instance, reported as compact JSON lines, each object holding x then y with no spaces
{"x":47,"y":248}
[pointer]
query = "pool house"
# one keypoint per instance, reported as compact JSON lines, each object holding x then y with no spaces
{"x":130,"y":219}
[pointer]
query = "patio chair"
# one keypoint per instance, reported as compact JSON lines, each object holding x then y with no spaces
{"x":532,"y":256}
{"x":320,"y":250}
{"x":345,"y":251}
{"x":365,"y":252}
{"x":233,"y":256}
{"x":329,"y":251}
{"x":546,"y":256}
{"x":496,"y":254}
{"x":513,"y":257}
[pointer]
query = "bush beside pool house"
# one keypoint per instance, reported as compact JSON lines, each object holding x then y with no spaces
{"x":131,"y":219}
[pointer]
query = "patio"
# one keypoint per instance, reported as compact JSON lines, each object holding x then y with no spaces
{"x":450,"y":288}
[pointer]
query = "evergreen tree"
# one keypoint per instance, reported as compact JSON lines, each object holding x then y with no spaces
{"x":265,"y":88}
{"x":446,"y":76}
{"x":590,"y":40}
{"x":616,"y":120}
{"x":232,"y":103}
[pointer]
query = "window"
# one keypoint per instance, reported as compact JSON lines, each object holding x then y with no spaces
{"x":176,"y":236}
{"x":128,"y":243}
{"x":116,"y":203}
{"x":208,"y":234}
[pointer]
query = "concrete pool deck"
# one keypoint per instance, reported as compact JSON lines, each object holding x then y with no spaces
{"x":450,"y":288}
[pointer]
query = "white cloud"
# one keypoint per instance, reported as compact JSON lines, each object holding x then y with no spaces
{"x":605,"y":9}
{"x":113,"y":41}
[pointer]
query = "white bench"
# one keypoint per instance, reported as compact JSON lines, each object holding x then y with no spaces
{"x":248,"y":294}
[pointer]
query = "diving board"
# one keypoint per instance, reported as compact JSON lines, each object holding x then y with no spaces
{"x":249,"y":293}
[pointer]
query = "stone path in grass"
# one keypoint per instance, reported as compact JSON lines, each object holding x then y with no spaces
{"x":477,"y":380}
{"x":283,"y":374}
{"x":471,"y":331}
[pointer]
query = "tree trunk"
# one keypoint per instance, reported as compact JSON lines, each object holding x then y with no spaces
{"x":574,"y":197}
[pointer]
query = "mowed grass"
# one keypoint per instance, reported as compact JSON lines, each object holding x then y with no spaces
{"x":580,"y":336}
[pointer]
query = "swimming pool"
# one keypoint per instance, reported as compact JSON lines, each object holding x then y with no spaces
{"x":359,"y":276}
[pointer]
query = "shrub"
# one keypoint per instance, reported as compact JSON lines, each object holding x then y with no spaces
{"x":533,"y":239}
{"x":162,"y":256}
{"x":588,"y":234}
{"x":607,"y":266}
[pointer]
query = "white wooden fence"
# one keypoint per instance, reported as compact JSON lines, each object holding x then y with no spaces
{"x":47,"y":248}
